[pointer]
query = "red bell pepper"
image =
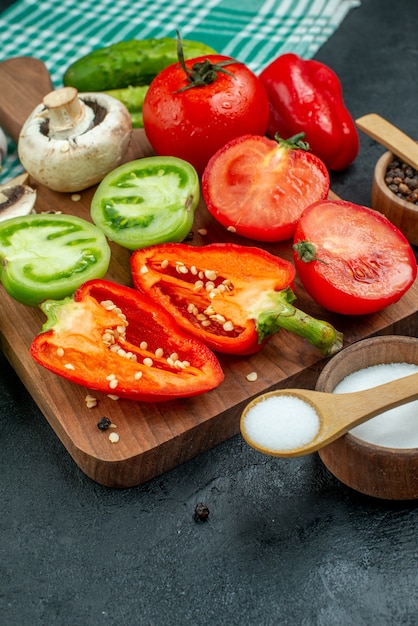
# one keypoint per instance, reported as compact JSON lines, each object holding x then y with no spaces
{"x":230,"y":296}
{"x":306,"y":96}
{"x":116,"y":340}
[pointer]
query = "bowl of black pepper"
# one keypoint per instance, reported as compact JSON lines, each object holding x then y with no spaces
{"x":395,"y":194}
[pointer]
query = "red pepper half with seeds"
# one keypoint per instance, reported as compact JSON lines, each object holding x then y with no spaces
{"x":231,"y":297}
{"x":306,"y":95}
{"x":116,"y":340}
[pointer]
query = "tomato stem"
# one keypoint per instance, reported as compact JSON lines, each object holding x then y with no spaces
{"x":307,"y":252}
{"x":293,"y":143}
{"x":202,"y":72}
{"x":276,"y":311}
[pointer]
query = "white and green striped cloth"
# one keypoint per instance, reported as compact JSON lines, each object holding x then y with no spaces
{"x":254,"y":31}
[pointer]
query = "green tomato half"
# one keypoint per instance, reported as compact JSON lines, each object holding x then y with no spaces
{"x":48,"y":256}
{"x":148,"y":201}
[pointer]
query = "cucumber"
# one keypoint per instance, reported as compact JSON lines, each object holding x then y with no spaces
{"x":128,"y":63}
{"x":133,"y":99}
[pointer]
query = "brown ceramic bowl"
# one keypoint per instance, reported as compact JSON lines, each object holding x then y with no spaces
{"x":401,"y":213}
{"x":382,"y":472}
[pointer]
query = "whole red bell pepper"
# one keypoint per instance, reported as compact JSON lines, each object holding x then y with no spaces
{"x":230,"y":296}
{"x":116,"y":340}
{"x":306,"y":96}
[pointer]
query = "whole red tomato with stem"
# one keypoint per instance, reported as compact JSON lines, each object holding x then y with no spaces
{"x":351,"y":259}
{"x":194,"y":107}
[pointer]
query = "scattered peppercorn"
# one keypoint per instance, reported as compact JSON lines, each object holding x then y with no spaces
{"x":402,"y":180}
{"x":104,"y":423}
{"x":201,"y":512}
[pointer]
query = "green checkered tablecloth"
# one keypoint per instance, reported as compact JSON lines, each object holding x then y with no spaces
{"x":254,"y":31}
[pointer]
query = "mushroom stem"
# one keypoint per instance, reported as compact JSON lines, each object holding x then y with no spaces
{"x":68,"y":115}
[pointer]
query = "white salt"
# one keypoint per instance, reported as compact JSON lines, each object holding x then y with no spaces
{"x":395,"y":428}
{"x":280,"y":423}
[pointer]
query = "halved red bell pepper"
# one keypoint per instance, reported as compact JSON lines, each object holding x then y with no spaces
{"x":116,"y":340}
{"x":306,"y":96}
{"x":230,"y":296}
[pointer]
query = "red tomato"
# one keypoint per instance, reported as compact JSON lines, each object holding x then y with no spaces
{"x":359,"y":262}
{"x":258,"y":187}
{"x":193,"y":122}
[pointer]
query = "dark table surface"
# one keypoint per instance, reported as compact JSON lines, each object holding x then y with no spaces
{"x":285,"y":542}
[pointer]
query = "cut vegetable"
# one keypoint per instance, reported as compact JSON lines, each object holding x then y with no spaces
{"x":49,"y":255}
{"x":258,"y":187}
{"x":231,"y":297}
{"x":351,"y":259}
{"x":148,"y":201}
{"x":116,"y":340}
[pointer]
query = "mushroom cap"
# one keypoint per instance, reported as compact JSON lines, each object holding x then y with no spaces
{"x":82,"y":159}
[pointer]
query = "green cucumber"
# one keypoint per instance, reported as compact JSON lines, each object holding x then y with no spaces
{"x":133,"y":99}
{"x":128,"y":63}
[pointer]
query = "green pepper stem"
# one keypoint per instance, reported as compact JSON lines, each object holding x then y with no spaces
{"x":275,"y":310}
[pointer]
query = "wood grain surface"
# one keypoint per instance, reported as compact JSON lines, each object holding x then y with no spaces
{"x":156,"y":437}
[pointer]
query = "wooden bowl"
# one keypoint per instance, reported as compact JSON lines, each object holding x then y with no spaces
{"x":401,"y":213}
{"x":381,"y":472}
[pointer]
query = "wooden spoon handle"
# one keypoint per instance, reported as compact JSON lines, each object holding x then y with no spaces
{"x":351,"y":409}
{"x":389,"y":136}
{"x":24,"y":82}
{"x":339,"y":413}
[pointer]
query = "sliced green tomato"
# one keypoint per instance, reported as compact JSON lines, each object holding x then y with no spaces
{"x":147,"y":201}
{"x":44,"y":256}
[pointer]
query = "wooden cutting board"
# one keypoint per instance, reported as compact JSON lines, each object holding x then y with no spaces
{"x":156,"y":437}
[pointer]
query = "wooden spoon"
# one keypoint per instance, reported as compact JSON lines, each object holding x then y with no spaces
{"x":391,"y":137}
{"x":336,"y":413}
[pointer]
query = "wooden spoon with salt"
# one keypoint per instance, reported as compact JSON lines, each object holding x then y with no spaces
{"x":390,"y":137}
{"x":296,"y":422}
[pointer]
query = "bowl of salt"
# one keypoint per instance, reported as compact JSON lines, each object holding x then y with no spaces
{"x":379,"y":457}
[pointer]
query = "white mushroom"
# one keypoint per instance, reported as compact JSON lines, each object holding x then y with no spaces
{"x":16,"y":198}
{"x":3,"y":146}
{"x":71,"y":140}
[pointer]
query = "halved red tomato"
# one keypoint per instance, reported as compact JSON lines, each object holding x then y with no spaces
{"x":258,"y":187}
{"x":352,"y":259}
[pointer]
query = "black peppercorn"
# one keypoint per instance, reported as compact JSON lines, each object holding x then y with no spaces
{"x":104,"y":423}
{"x":201,"y":512}
{"x":402,"y":179}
